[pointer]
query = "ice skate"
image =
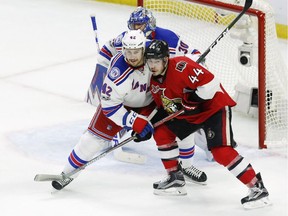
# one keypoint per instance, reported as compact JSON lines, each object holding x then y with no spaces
{"x":257,"y":197}
{"x":60,"y":184}
{"x":192,"y":174}
{"x":172,"y":185}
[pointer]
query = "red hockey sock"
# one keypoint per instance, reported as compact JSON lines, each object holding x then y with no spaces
{"x":235,"y":163}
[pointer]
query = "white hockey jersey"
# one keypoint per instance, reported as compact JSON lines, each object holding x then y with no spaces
{"x":124,"y":86}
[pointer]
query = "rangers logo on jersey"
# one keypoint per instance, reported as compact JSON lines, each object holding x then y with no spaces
{"x":114,"y":73}
{"x":118,"y":40}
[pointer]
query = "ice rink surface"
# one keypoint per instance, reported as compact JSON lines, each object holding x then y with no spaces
{"x":48,"y":56}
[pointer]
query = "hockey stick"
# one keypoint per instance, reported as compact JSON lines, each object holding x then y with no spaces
{"x":95,"y":29}
{"x":49,"y":177}
{"x":247,"y":5}
{"x":130,"y":157}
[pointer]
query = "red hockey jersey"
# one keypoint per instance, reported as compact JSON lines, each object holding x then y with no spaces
{"x":184,"y":74}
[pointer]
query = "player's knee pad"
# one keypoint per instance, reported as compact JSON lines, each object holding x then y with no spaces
{"x":224,"y":155}
{"x":89,"y":145}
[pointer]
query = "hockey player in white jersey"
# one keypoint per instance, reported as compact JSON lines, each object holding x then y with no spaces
{"x":125,"y":101}
{"x":143,"y":19}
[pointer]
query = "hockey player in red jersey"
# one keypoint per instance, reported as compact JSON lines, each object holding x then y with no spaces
{"x":180,"y":83}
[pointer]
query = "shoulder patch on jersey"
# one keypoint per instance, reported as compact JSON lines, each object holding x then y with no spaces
{"x":114,"y":73}
{"x":180,"y":66}
{"x":118,"y":40}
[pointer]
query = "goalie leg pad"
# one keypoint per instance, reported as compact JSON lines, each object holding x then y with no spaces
{"x":124,"y":156}
{"x":93,"y":93}
{"x":129,"y":157}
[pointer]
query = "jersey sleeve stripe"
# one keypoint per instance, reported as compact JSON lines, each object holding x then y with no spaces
{"x":195,"y":51}
{"x":106,"y":53}
{"x":109,"y":111}
{"x":172,"y":50}
{"x":124,"y":76}
{"x":116,"y":57}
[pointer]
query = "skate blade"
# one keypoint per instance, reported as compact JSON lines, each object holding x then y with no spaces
{"x":187,"y":179}
{"x":257,"y":203}
{"x":174,"y":191}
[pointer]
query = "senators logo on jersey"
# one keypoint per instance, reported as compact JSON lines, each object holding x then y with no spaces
{"x":171,"y":105}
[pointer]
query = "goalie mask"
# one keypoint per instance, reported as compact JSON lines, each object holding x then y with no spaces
{"x":142,"y":16}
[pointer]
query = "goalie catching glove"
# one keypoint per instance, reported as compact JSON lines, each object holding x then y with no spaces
{"x":139,"y":124}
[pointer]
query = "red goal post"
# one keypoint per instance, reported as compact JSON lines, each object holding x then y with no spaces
{"x":246,"y":61}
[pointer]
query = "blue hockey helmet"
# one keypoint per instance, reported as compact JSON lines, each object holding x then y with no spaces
{"x":142,"y":16}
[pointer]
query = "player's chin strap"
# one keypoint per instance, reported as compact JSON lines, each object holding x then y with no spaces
{"x":48,"y":177}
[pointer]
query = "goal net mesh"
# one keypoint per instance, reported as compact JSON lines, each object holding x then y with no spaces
{"x":199,"y":24}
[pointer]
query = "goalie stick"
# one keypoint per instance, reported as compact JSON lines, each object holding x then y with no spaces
{"x":95,"y":29}
{"x":93,"y":92}
{"x":51,"y":177}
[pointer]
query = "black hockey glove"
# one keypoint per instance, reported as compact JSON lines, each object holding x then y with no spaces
{"x":141,"y":139}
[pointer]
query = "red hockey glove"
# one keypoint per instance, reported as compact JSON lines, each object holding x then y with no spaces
{"x":188,"y":104}
{"x":138,"y":123}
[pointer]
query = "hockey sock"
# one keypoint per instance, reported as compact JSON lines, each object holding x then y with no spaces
{"x":236,"y":164}
{"x":167,"y":147}
{"x":169,"y":156}
{"x":186,"y":151}
{"x":85,"y":150}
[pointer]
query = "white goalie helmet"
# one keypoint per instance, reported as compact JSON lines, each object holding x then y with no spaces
{"x":133,"y":39}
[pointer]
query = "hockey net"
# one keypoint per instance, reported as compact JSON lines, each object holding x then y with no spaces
{"x":259,"y":83}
